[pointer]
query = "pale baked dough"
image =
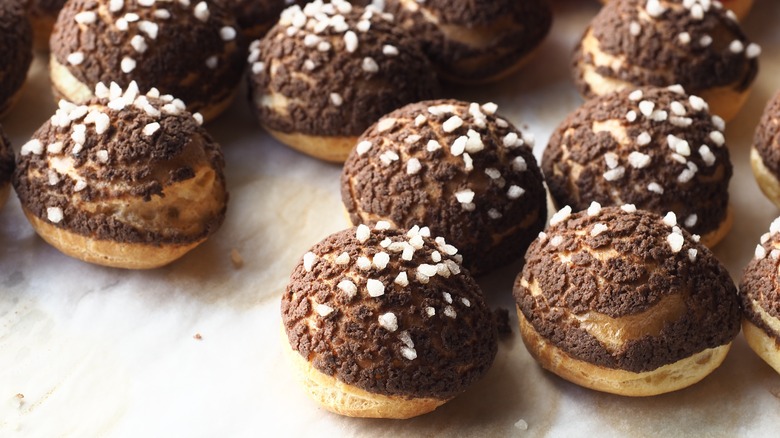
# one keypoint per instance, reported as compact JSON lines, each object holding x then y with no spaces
{"x":335,"y":149}
{"x":106,"y":252}
{"x":711,"y":239}
{"x":668,"y":378}
{"x":349,"y":400}
{"x":767,"y":181}
{"x":765,"y":346}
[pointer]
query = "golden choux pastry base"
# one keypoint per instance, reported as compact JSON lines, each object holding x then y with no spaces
{"x":668,"y":378}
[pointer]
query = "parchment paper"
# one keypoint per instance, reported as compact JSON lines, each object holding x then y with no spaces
{"x":193,"y":349}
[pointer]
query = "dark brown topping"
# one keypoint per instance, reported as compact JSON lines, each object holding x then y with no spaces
{"x":675,"y":47}
{"x":767,"y":137}
{"x":474,"y":40}
{"x":87,"y":158}
{"x":6,"y":159}
{"x":146,"y":43}
{"x":760,"y":282}
{"x":687,"y":173}
{"x":478,"y":186}
{"x":340,"y":80}
{"x":15,"y":48}
{"x":592,"y":279}
{"x":416,"y":339}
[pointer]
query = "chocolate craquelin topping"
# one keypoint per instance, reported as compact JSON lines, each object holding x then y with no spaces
{"x":16,"y":48}
{"x":760,"y":285}
{"x":119,"y":145}
{"x":699,"y":45}
{"x":618,"y":262}
{"x":122,"y":41}
{"x":456,"y":167}
{"x":332,"y":69}
{"x":656,"y":148}
{"x":6,"y":159}
{"x":501,"y":32}
{"x":767,"y":137}
{"x":389,"y":312}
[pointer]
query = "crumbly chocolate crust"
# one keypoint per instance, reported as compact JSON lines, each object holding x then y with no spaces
{"x":6,"y":159}
{"x":477,"y":185}
{"x":652,"y":260}
{"x":417,"y":335}
{"x":508,"y":30}
{"x":687,"y":173}
{"x":16,"y":48}
{"x":149,"y":49}
{"x":760,"y":281}
{"x":671,"y":44}
{"x":132,"y":147}
{"x":335,"y":84}
{"x":767,"y":137}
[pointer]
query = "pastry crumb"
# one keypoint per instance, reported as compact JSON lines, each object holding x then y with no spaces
{"x":20,"y":396}
{"x":198,"y":337}
{"x":521,"y":424}
{"x":235,"y":257}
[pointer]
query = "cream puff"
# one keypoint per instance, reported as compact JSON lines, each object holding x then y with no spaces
{"x":656,"y":148}
{"x":16,"y":50}
{"x":385,"y":323}
{"x":760,"y":293}
{"x":624,"y":301}
{"x":456,"y":167}
{"x":765,"y":153}
{"x":475,"y":42}
{"x":126,"y":180}
{"x":698,"y":45}
{"x":192,"y":50}
{"x":326,"y":72}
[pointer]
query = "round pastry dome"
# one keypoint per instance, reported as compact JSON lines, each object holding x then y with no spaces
{"x":698,"y":45}
{"x":624,"y":301}
{"x":326,"y":72}
{"x":656,"y":148}
{"x":126,"y":180}
{"x":385,"y":323}
{"x":192,"y":50}
{"x":456,"y":167}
